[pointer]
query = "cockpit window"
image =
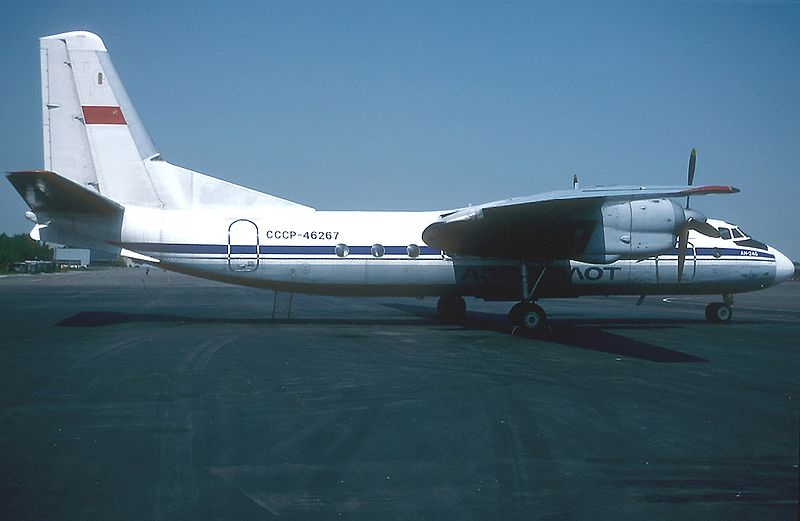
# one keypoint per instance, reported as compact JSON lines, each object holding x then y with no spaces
{"x":737,"y":234}
{"x":725,"y":233}
{"x":751,"y":243}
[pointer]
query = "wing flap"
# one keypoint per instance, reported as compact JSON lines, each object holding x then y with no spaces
{"x":545,"y":230}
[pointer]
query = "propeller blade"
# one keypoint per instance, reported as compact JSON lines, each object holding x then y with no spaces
{"x":702,"y":227}
{"x":692,"y":163}
{"x":683,"y":242}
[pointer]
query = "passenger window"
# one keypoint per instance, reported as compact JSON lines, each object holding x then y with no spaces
{"x":737,"y":234}
{"x":725,"y":233}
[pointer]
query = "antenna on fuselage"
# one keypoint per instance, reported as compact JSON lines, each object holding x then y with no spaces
{"x":574,"y":181}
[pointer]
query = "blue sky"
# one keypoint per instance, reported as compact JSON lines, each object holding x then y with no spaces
{"x":428,"y":105}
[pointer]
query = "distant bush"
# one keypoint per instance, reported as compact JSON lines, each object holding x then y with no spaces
{"x":21,"y":247}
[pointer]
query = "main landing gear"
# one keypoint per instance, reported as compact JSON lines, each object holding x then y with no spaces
{"x":525,"y":316}
{"x":451,"y":308}
{"x":720,"y":312}
{"x":528,"y":316}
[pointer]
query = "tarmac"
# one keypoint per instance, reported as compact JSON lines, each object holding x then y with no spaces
{"x":140,"y":394}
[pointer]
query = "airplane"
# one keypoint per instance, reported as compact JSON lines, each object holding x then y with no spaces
{"x":105,"y":186}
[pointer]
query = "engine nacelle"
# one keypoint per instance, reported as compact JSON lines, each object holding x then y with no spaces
{"x":634,"y":230}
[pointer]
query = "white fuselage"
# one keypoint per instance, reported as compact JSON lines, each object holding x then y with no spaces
{"x":382,"y":253}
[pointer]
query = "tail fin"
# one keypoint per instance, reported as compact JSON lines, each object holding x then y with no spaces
{"x":92,"y":134}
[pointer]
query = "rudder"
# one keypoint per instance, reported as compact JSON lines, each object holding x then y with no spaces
{"x":92,"y":133}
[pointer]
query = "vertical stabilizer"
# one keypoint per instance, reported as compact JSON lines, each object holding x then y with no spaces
{"x":92,"y":134}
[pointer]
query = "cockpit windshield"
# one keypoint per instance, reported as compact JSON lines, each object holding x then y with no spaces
{"x":742,"y":239}
{"x":732,"y":232}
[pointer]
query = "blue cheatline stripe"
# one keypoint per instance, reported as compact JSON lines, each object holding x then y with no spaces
{"x":222,"y":249}
{"x":736,"y":252}
{"x":290,"y":250}
{"x":266,"y":249}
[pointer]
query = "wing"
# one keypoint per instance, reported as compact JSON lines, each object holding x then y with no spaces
{"x":553,"y":225}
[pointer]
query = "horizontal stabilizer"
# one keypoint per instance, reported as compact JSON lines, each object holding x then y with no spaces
{"x":48,"y":192}
{"x":138,"y":256}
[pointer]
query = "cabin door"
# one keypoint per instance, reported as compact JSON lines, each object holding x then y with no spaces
{"x":243,"y":246}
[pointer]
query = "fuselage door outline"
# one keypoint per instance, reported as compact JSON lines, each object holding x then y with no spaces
{"x":243,"y":246}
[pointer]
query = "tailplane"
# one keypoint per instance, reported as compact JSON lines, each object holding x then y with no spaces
{"x":47,"y":193}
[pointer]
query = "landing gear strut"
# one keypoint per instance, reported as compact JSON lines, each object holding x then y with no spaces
{"x":720,"y":312}
{"x":527,"y":315}
{"x":451,"y":308}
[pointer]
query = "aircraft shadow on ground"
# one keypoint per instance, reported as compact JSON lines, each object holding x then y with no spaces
{"x":581,"y":333}
{"x":111,"y":318}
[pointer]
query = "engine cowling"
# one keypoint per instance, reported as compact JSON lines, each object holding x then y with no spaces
{"x":634,"y":230}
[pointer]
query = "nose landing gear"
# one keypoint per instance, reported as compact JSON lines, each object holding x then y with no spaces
{"x":720,"y":312}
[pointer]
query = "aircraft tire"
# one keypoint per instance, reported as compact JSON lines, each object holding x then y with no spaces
{"x":516,"y":313}
{"x":718,"y":313}
{"x":451,"y":308}
{"x":710,"y":312}
{"x":528,"y":316}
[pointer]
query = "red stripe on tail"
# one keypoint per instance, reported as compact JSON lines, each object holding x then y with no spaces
{"x":103,"y":116}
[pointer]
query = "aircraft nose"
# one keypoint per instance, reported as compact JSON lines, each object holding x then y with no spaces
{"x":784,"y":268}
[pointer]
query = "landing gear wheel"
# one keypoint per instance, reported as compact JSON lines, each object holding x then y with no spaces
{"x":718,"y":313}
{"x":528,"y":316}
{"x":451,"y":308}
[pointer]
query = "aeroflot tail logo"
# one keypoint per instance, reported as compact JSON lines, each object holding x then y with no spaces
{"x":94,"y":115}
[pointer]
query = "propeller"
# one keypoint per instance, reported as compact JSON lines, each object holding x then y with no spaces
{"x":683,"y":242}
{"x":694,"y":221}
{"x":692,"y":162}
